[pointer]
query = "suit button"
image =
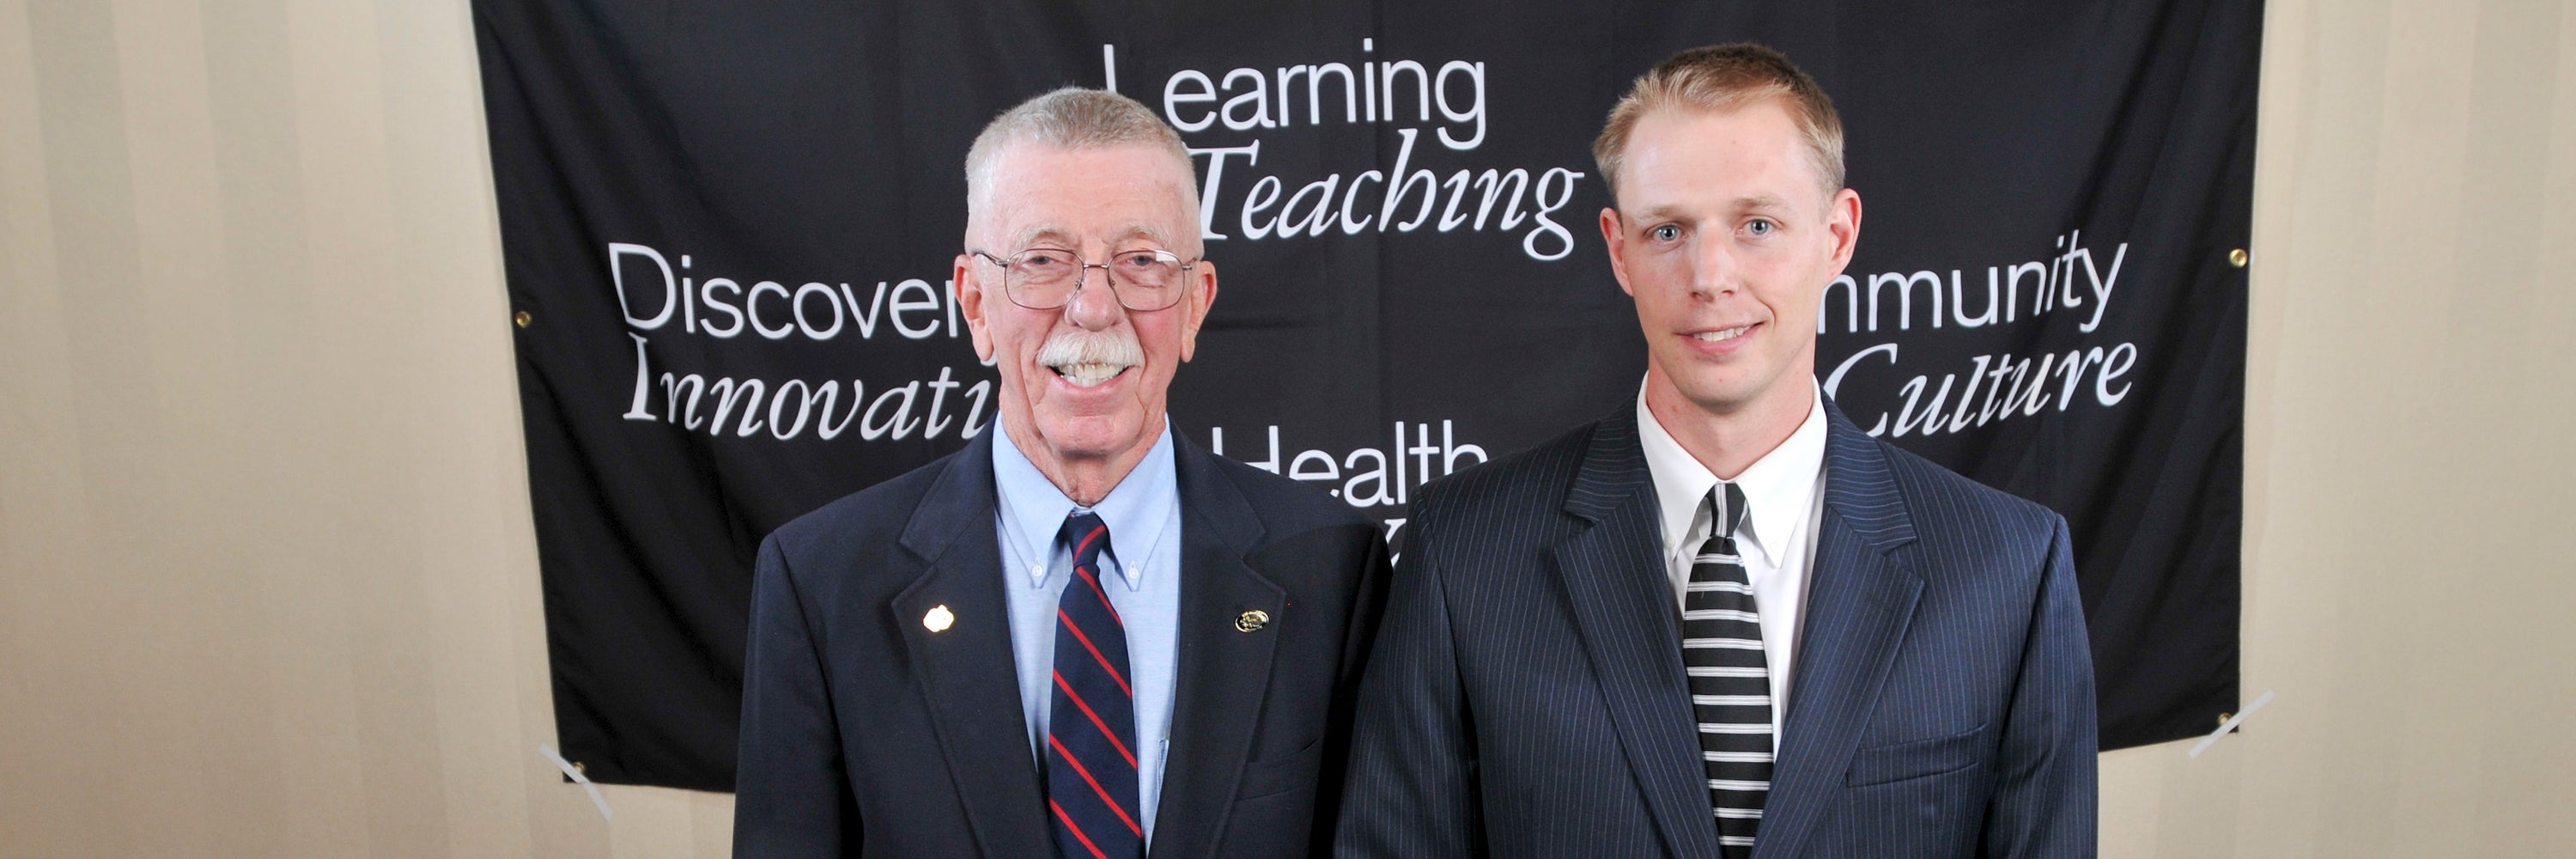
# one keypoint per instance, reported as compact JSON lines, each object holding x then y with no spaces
{"x":1251,"y":621}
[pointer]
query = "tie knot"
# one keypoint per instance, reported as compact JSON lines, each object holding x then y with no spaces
{"x":1726,"y":503}
{"x":1087,"y":536}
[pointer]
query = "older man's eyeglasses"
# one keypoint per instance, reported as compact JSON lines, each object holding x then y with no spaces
{"x":1143,"y":279}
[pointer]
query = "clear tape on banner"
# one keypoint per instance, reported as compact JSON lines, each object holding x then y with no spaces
{"x":573,"y":773}
{"x":2230,"y":724}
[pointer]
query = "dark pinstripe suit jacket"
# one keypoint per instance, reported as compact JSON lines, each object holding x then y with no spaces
{"x":1527,"y":695}
{"x":864,"y":733}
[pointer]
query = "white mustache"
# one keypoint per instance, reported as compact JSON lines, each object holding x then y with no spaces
{"x":1093,"y":354}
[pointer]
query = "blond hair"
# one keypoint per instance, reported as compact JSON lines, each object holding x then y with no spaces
{"x":1723,"y":78}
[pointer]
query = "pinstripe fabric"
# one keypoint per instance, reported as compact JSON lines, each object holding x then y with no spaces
{"x":1526,"y":697}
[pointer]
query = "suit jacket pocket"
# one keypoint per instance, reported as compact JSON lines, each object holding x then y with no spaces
{"x":1282,"y":774}
{"x":1916,"y":758}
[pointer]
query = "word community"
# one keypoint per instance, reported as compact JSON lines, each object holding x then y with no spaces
{"x":2053,"y":287}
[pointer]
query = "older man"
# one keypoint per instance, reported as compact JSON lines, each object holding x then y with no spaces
{"x":1723,"y":621}
{"x":1081,"y":635}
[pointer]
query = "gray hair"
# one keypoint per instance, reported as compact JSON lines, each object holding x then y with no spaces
{"x":1072,"y":118}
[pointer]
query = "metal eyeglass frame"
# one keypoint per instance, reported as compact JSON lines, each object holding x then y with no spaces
{"x":1082,"y":275}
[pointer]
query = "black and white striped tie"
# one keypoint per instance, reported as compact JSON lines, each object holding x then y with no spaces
{"x":1730,"y":679}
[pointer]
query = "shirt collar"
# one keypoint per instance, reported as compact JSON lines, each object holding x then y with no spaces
{"x":1136,"y":510}
{"x":1778,"y":489}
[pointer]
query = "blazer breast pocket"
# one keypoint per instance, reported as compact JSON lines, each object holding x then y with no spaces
{"x":1916,"y":758}
{"x":1282,"y":774}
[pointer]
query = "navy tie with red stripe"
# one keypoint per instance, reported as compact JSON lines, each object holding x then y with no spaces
{"x":1091,"y":728}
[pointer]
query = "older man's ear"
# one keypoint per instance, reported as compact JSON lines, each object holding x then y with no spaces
{"x":970,"y":304}
{"x":1198,"y":302}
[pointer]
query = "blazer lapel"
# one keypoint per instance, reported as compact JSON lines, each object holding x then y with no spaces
{"x":1859,"y":602}
{"x":1222,"y":674}
{"x":966,"y":670}
{"x":1623,"y":602}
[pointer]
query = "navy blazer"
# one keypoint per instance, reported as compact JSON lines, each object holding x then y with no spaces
{"x":1527,"y":697}
{"x":865,"y":733}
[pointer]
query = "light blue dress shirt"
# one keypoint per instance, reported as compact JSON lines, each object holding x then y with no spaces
{"x":1143,"y":513}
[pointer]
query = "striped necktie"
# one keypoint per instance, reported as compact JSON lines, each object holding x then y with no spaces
{"x":1091,"y":727}
{"x":1730,"y":679}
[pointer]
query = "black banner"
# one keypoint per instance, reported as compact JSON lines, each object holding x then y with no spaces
{"x":729,"y":228}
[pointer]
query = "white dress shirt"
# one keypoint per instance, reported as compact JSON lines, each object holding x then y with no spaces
{"x":1783,"y":499}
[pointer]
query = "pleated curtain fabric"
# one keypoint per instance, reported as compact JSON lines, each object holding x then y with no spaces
{"x":1730,"y":678}
{"x":1092,"y":799}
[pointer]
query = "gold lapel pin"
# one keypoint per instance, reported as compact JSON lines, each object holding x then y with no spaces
{"x":1251,"y":621}
{"x":939,"y":619}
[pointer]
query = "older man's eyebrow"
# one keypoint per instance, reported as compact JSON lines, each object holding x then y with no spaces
{"x":1048,"y":233}
{"x":1148,"y":232}
{"x":1057,"y":236}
